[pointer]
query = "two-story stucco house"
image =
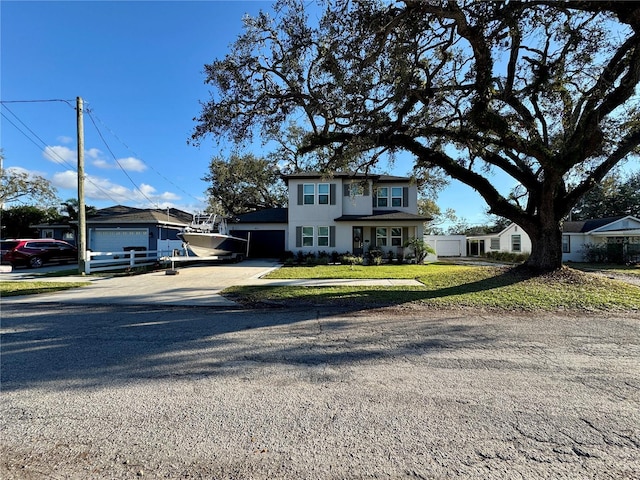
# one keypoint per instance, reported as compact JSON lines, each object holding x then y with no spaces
{"x":345,"y":212}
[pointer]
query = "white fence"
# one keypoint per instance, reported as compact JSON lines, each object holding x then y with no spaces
{"x":105,"y":261}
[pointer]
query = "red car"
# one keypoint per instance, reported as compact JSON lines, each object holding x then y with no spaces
{"x":36,"y":252}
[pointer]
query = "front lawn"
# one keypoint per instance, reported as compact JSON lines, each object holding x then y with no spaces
{"x":10,"y":289}
{"x":446,"y":285}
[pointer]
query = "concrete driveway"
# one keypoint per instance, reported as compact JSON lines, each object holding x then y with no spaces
{"x":195,"y":285}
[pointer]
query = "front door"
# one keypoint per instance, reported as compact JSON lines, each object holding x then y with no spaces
{"x":357,"y":240}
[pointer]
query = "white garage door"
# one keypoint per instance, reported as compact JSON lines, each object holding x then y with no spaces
{"x":116,"y":239}
{"x":448,"y":248}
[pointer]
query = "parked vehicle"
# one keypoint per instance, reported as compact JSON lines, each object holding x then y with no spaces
{"x":34,"y":253}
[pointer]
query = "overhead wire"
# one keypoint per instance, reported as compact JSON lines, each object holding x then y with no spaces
{"x":93,"y":115}
{"x":135,"y":185}
{"x":43,"y":144}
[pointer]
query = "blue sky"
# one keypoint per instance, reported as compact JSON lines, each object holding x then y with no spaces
{"x":139,"y":68}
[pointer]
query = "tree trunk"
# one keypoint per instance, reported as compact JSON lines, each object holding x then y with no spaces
{"x":546,"y":247}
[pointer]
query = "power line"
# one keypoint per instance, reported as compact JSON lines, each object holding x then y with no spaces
{"x":44,"y":144}
{"x":88,"y":111}
{"x":135,"y":154}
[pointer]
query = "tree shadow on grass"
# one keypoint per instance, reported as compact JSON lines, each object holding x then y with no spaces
{"x":363,"y":297}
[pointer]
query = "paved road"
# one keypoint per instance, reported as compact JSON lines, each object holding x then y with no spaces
{"x":123,"y":391}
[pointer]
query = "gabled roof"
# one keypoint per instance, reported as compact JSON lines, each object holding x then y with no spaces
{"x":123,"y":214}
{"x":584,"y":226}
{"x":378,"y":178}
{"x":384,"y":216}
{"x":269,"y":215}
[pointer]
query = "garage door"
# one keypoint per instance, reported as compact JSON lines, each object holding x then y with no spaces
{"x":116,"y":239}
{"x":448,"y":248}
{"x":263,"y":243}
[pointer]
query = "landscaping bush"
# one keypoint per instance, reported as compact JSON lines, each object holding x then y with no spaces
{"x":507,"y":257}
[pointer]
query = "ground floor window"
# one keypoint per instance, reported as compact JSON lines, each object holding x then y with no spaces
{"x":516,"y":246}
{"x":307,"y":236}
{"x":389,"y":236}
{"x":323,"y":236}
{"x":566,"y":244}
{"x":381,"y":237}
{"x":495,"y":243}
{"x":396,"y":237}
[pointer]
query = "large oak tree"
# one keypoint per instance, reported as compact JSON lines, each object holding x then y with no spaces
{"x":544,"y":91}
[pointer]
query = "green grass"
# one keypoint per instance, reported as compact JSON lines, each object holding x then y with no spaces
{"x":633,"y":270}
{"x":451,"y":286}
{"x":10,"y":289}
{"x":350,"y":272}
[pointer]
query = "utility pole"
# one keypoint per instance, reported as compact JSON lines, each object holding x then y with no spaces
{"x":82,"y":220}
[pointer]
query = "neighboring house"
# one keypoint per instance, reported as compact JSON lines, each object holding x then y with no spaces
{"x":620,"y":236}
{"x":512,"y":239}
{"x":58,"y":231}
{"x":120,"y":228}
{"x":344,"y":212}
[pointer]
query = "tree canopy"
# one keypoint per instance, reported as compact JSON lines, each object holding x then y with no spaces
{"x":244,"y":183}
{"x":544,"y":91}
{"x":614,"y":196}
{"x":18,"y":185}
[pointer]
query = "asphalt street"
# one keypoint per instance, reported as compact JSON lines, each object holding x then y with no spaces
{"x":130,"y":391}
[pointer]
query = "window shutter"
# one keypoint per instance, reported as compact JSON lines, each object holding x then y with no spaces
{"x":332,"y":194}
{"x":332,"y":236}
{"x":347,"y":190}
{"x":374,"y":200}
{"x":300,"y":194}
{"x":405,"y":196}
{"x":298,"y":237}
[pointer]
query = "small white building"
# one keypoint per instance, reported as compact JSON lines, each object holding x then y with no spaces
{"x":512,"y":239}
{"x":620,"y":236}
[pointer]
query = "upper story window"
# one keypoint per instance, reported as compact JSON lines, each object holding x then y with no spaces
{"x":391,"y":197}
{"x":383,"y":196}
{"x":323,"y":194}
{"x":396,"y":196}
{"x":309,"y":193}
{"x":354,"y":190}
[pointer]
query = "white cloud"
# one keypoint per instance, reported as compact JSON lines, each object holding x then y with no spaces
{"x":132,"y":164}
{"x":59,"y":154}
{"x":93,"y":153}
{"x":129,"y":164}
{"x":99,"y":188}
{"x":65,"y":139}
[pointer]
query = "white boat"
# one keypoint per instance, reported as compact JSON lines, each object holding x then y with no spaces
{"x":208,"y":236}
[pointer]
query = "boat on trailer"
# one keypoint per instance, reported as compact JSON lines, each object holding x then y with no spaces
{"x":208,"y":236}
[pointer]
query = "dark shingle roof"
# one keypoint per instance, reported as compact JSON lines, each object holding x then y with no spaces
{"x":122,"y":214}
{"x":270,"y":215}
{"x":584,"y":226}
{"x":384,"y":216}
{"x":349,"y":175}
